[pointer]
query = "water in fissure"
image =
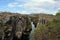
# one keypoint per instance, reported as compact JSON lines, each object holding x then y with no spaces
{"x":32,"y":31}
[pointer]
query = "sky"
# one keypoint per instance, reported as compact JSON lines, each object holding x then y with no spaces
{"x":30,"y":6}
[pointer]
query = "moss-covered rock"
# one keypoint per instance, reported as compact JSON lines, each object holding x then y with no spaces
{"x":47,"y":32}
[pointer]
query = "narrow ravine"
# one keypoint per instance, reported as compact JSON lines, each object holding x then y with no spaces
{"x":32,"y":31}
{"x":29,"y":33}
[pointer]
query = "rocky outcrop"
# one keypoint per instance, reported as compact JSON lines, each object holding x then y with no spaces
{"x":14,"y":26}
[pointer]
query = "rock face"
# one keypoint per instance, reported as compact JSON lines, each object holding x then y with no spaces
{"x":13,"y":26}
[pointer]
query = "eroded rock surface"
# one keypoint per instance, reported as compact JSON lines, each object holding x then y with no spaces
{"x":12,"y":26}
